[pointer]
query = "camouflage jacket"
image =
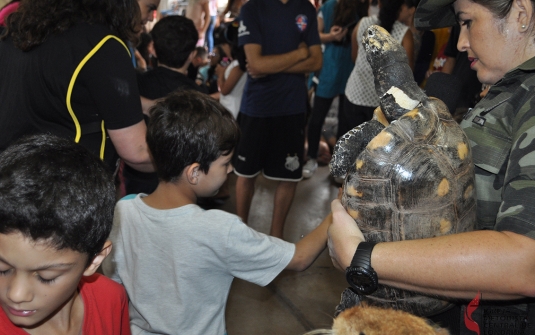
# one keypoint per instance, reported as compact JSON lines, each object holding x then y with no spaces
{"x":501,"y":129}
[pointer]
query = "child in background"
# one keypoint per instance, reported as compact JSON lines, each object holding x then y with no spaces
{"x":231,"y":78}
{"x":174,"y":39}
{"x":174,"y":47}
{"x":200,"y":60}
{"x":176,"y":260}
{"x":56,"y":214}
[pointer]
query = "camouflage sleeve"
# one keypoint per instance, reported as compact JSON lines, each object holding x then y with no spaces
{"x":501,"y":129}
{"x":517,"y":210}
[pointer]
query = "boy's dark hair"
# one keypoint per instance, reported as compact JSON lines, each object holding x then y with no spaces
{"x":56,"y":191}
{"x":174,"y":39}
{"x":389,"y":12}
{"x":189,"y":127}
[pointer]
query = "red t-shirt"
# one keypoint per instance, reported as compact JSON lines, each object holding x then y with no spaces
{"x":105,"y":309}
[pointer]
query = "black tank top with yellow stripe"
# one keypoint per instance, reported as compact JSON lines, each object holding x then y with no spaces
{"x":75,"y":85}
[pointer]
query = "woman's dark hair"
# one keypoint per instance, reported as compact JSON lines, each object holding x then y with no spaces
{"x":411,"y":3}
{"x":35,"y":20}
{"x":211,"y":69}
{"x":55,"y":191}
{"x":228,"y":7}
{"x":500,"y":8}
{"x":345,"y":11}
{"x":231,"y":6}
{"x":389,"y":12}
{"x":236,"y":51}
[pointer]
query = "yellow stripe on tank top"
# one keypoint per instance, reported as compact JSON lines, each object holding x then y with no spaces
{"x":71,"y":87}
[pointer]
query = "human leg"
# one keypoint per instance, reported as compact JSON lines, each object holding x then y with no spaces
{"x":247,"y":161}
{"x":351,"y":116}
{"x":343,"y":126}
{"x":283,"y":163}
{"x":210,"y":34}
{"x":244,"y":196}
{"x":319,"y":111}
{"x":284,"y":195}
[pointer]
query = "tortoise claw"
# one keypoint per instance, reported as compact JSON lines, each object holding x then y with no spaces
{"x":349,"y":147}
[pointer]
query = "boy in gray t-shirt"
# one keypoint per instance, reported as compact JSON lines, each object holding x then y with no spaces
{"x":176,"y":260}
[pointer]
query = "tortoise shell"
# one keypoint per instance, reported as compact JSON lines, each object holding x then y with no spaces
{"x":410,"y":179}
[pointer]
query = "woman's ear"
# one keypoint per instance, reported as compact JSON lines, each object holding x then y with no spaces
{"x":98,"y":259}
{"x":192,"y":173}
{"x":522,"y":14}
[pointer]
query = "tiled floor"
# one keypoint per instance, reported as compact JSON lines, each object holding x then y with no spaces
{"x":295,"y":302}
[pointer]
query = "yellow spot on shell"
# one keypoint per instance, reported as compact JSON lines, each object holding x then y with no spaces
{"x":443,"y":187}
{"x":462,"y":150}
{"x":352,"y":191}
{"x":359,"y":163}
{"x":379,"y":141}
{"x":379,"y":116}
{"x":353,"y":213}
{"x":413,"y":113}
{"x":445,"y":226}
{"x":468,"y":192}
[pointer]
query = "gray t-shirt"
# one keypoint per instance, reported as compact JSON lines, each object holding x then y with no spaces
{"x":177,"y":265}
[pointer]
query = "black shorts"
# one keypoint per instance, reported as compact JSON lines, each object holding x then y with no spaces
{"x":273,"y":146}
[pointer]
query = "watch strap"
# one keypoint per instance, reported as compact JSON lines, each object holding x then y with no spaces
{"x":363,"y":255}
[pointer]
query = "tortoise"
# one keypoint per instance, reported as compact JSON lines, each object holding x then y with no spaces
{"x":408,"y":172}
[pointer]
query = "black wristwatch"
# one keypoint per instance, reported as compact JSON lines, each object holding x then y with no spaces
{"x":360,"y":274}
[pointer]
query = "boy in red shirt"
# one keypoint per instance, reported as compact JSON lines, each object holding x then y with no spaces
{"x":56,"y":213}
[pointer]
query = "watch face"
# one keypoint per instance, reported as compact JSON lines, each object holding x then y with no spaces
{"x":361,"y":278}
{"x":364,"y":281}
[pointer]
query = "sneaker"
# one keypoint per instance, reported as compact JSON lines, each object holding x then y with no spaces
{"x":309,"y":168}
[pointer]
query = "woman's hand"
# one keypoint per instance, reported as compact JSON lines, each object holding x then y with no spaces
{"x":344,"y":236}
{"x":337,"y":33}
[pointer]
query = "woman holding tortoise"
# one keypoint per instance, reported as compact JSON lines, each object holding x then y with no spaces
{"x":498,"y":258}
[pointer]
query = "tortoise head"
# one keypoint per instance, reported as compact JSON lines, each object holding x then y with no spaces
{"x":394,"y":82}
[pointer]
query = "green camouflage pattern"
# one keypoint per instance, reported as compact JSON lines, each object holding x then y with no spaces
{"x":433,"y":14}
{"x":501,"y":129}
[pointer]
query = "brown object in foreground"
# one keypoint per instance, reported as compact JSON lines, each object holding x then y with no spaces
{"x":369,"y":320}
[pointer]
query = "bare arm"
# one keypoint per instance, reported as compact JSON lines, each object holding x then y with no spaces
{"x":131,"y":146}
{"x":146,"y":104}
{"x":336,"y":33}
{"x":227,"y":85}
{"x":499,"y":264}
{"x":354,"y":43}
{"x":141,"y":63}
{"x":408,"y":44}
{"x":206,"y":21}
{"x":311,"y":64}
{"x":309,"y":248}
{"x":259,"y":65}
{"x":448,"y":65}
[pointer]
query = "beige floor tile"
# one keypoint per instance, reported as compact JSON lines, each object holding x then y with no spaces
{"x":294,"y":302}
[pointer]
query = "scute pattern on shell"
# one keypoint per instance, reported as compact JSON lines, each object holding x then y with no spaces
{"x":413,"y":180}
